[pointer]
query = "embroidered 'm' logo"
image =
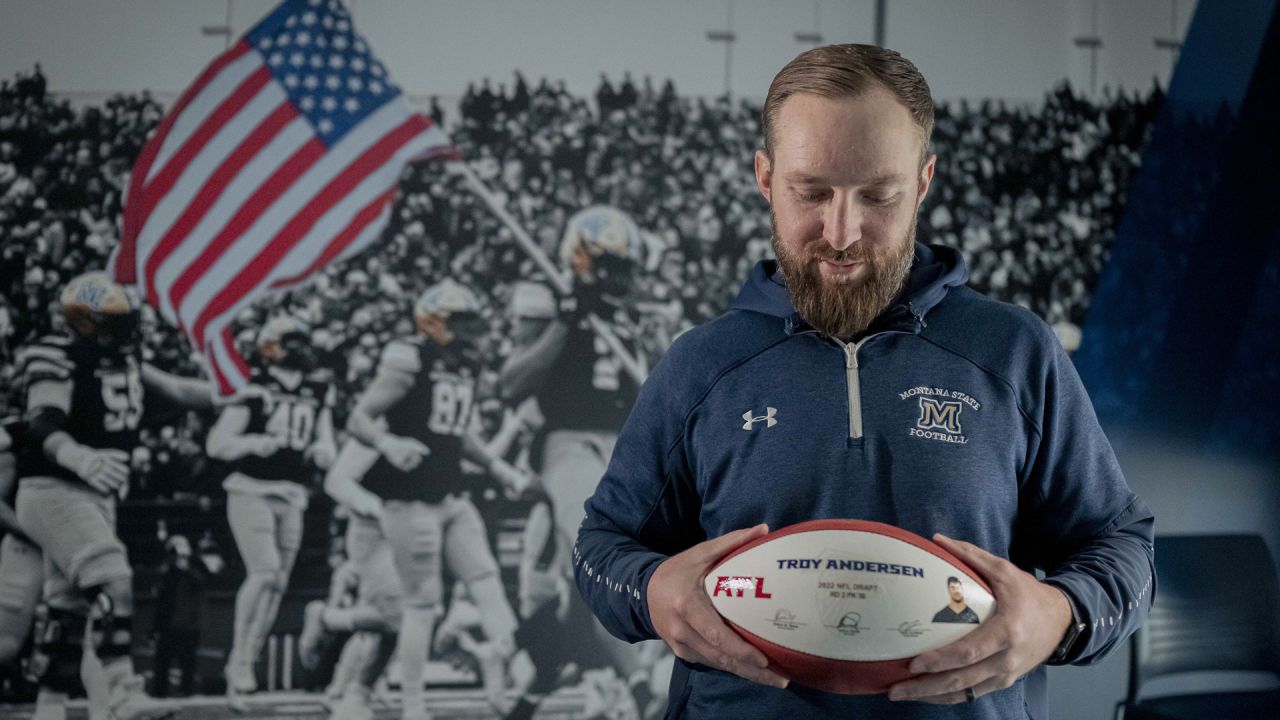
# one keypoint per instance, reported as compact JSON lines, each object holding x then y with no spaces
{"x":941,"y":415}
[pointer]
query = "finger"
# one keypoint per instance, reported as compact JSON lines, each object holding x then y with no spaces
{"x":419,"y":447}
{"x":715,"y":548}
{"x":698,"y":651}
{"x":959,"y":697}
{"x":115,"y":454}
{"x":949,"y":683}
{"x":706,"y":622}
{"x":686,"y":652}
{"x":104,"y":484}
{"x":987,"y":565}
{"x":977,"y":646}
{"x":117,"y":472}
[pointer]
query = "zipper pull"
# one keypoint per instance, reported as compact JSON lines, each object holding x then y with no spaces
{"x":851,"y":356}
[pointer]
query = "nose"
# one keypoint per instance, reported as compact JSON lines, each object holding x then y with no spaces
{"x":842,"y":222}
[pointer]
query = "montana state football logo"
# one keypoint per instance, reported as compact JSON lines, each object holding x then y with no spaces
{"x":941,"y":414}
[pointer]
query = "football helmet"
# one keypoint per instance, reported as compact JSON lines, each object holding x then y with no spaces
{"x":286,"y":340}
{"x":449,"y":310}
{"x":100,"y":311}
{"x":601,"y":245}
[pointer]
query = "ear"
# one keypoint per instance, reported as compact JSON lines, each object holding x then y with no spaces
{"x":764,"y":176}
{"x":925,"y":180}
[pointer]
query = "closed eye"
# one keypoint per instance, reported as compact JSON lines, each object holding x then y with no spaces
{"x":812,"y":195}
{"x":882,"y":200}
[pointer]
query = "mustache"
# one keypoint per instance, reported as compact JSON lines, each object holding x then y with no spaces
{"x":854,"y":253}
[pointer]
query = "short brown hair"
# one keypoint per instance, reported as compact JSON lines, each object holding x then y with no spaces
{"x":838,"y":71}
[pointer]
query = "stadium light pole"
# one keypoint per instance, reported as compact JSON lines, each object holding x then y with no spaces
{"x":882,"y":21}
{"x":728,"y":37}
{"x":1171,"y":43}
{"x":1093,"y":44}
{"x":814,"y":38}
{"x":224,"y":29}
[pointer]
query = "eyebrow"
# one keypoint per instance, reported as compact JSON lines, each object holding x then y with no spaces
{"x":802,"y":178}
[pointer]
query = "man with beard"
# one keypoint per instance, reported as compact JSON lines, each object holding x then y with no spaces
{"x":275,"y":440}
{"x":857,"y":377}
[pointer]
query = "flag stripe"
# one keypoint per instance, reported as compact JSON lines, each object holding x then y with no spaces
{"x":229,"y":342}
{"x":216,"y":365}
{"x":190,"y":119}
{"x":204,"y":200}
{"x":275,"y":186}
{"x":126,"y":260}
{"x":367,"y":214}
{"x":261,"y":265}
{"x":336,"y":217}
{"x":219,"y":268}
{"x":167,"y":196}
{"x":253,"y":179}
{"x":218,"y":121}
{"x":167,"y":210}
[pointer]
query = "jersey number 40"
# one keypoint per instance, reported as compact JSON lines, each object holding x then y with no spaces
{"x":292,"y":423}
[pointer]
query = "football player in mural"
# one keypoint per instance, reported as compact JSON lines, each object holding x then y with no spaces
{"x":582,"y":383}
{"x":22,"y":573}
{"x":84,"y":397}
{"x":21,"y":566}
{"x":425,"y":392}
{"x":365,"y":598}
{"x":275,"y":441}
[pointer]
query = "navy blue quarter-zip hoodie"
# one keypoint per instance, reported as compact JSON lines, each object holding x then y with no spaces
{"x":953,"y":413}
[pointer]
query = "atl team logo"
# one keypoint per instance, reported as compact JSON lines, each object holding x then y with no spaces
{"x":940,"y":413}
{"x":740,"y":586}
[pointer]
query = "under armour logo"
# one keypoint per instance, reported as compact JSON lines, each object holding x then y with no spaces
{"x":768,"y":418}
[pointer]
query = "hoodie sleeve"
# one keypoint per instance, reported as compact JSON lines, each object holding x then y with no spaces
{"x":1081,"y":524}
{"x":644,"y":509}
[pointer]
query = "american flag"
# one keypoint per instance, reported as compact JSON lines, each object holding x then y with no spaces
{"x":280,"y":159}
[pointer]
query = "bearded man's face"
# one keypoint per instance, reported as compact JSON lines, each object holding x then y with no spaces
{"x":844,"y":185}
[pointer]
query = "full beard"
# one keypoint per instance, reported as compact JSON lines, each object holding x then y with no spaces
{"x":843,"y":308}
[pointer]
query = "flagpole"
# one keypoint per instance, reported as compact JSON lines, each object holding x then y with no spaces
{"x":635,"y":366}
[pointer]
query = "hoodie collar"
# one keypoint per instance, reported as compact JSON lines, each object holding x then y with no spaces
{"x":934,"y":270}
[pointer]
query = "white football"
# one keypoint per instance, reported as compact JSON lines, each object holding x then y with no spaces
{"x":844,"y":605}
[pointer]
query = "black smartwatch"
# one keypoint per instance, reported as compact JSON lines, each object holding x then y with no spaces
{"x":1071,"y":638}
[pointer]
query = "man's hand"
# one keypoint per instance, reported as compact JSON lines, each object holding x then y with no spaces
{"x":322,"y":454}
{"x":403,"y":453}
{"x":106,"y":471}
{"x":1029,"y":621}
{"x":513,"y":480}
{"x":684,"y":617}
